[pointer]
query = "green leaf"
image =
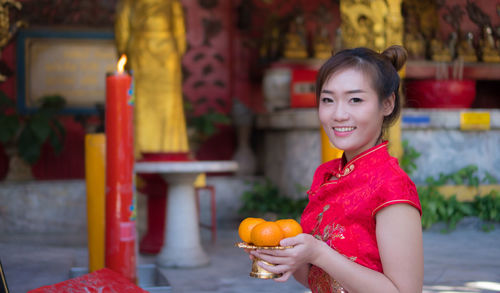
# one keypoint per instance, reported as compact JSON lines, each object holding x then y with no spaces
{"x":466,"y":209}
{"x":407,"y":161}
{"x":28,"y":146}
{"x":474,"y":181}
{"x":55,"y":142}
{"x":40,"y":124}
{"x":488,"y":178}
{"x":59,"y":128}
{"x":53,"y":103}
{"x":487,"y":227}
{"x":433,"y":207}
{"x":5,"y":102}
{"x":430,"y":181}
{"x":457,"y":179}
{"x":9,"y":127}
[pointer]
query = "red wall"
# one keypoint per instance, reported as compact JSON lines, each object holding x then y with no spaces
{"x":208,"y":60}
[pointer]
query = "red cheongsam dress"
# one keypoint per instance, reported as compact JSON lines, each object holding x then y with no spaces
{"x":343,"y":202}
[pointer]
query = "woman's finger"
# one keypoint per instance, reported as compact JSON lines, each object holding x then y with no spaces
{"x":284,"y":277}
{"x":271,"y":259}
{"x":292,"y":241}
{"x":276,"y":269}
{"x":272,"y":252}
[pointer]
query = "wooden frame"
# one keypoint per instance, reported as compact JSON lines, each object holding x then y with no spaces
{"x":72,"y":64}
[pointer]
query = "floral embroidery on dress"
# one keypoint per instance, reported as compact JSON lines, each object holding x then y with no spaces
{"x":324,"y":282}
{"x":319,"y":219}
{"x":332,"y":232}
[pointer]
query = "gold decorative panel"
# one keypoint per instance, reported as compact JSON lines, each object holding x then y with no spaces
{"x":376,"y":24}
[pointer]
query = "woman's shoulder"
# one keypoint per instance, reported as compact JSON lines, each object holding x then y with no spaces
{"x":396,"y":187}
{"x":398,"y":174}
{"x":391,"y":176}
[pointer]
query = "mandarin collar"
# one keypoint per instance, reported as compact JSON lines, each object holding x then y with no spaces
{"x":378,"y":151}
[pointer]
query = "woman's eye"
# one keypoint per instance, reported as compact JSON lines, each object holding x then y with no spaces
{"x":356,"y":100}
{"x":326,"y":100}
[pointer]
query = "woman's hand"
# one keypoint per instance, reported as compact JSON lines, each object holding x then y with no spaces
{"x":304,"y":251}
{"x":249,"y":253}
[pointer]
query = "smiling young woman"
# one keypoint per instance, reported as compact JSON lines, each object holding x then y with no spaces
{"x":350,"y":112}
{"x":362,"y":230}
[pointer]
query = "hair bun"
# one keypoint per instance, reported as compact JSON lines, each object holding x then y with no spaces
{"x":397,"y":56}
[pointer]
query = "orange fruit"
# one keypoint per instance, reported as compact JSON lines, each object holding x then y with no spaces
{"x":246,"y":227}
{"x":267,"y":234}
{"x":290,"y":227}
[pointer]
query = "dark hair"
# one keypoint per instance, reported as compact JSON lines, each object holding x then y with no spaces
{"x":382,"y":68}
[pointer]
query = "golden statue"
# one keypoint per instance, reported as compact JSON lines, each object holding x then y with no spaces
{"x":322,"y":44}
{"x":415,"y":45}
{"x":487,"y":45}
{"x":152,"y":34}
{"x":421,"y":16}
{"x":394,"y":29}
{"x":414,"y":41}
{"x":440,"y":52}
{"x":363,"y":23}
{"x":295,"y":40}
{"x":466,"y":50}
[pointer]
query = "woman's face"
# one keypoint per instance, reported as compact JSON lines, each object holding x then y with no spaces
{"x":350,"y":112}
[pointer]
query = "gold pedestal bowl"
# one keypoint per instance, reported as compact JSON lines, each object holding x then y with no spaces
{"x":257,"y":271}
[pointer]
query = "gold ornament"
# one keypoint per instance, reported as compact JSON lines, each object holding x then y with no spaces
{"x":152,"y":34}
{"x":322,"y":44}
{"x":295,"y":40}
{"x":487,"y":45}
{"x":7,"y":31}
{"x":466,"y":50}
{"x":439,"y":51}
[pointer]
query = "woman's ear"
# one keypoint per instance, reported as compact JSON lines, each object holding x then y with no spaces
{"x":388,"y":105}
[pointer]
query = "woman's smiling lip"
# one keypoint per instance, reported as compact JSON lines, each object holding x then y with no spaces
{"x":343,"y":130}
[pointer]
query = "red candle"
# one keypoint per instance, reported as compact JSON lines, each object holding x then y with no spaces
{"x":120,"y":215}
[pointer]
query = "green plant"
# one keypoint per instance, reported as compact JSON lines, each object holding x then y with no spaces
{"x":27,"y":133}
{"x":437,"y":208}
{"x":206,"y":124}
{"x":265,"y":198}
{"x":488,"y":178}
{"x":488,"y":206}
{"x":202,"y":126}
{"x":465,"y":176}
{"x":407,"y":161}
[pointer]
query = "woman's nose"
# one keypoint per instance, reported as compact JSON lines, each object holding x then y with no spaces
{"x":340,"y":113}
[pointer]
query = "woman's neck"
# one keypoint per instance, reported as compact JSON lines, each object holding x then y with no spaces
{"x":347,"y":158}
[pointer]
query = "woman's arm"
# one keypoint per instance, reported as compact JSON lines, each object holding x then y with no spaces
{"x":399,"y":239}
{"x":301,"y":275}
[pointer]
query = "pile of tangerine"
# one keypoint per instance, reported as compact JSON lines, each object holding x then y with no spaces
{"x":260,"y":232}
